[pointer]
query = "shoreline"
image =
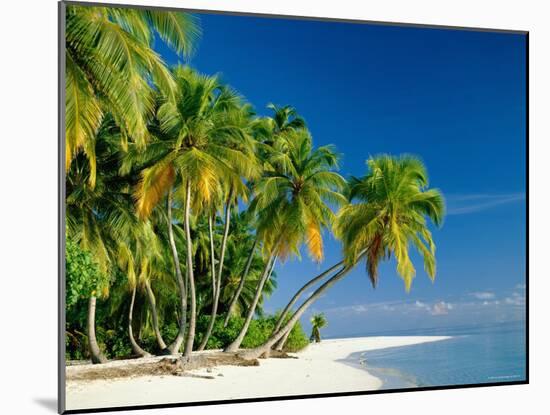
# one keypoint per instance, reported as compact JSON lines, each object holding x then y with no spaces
{"x":306,"y":375}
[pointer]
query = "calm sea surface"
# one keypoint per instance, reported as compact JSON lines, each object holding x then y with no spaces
{"x":485,"y":354}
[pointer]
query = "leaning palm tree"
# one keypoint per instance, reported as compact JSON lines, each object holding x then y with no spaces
{"x":318,"y":321}
{"x":198,"y":151}
{"x":110,"y":64}
{"x":284,"y":314}
{"x":292,"y":201}
{"x":393,"y":203}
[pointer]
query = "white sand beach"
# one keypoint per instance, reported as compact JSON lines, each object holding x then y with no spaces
{"x":320,"y":368}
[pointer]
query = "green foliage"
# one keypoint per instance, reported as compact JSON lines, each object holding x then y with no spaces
{"x":318,"y":321}
{"x":296,"y":340}
{"x":258,"y":333}
{"x":76,"y":345}
{"x":220,"y":336}
{"x":387,"y":213}
{"x":107,"y":49}
{"x":114,"y":343}
{"x":295,"y":196}
{"x":82,"y":274}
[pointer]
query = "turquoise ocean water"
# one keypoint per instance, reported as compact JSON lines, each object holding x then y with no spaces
{"x":474,"y":355}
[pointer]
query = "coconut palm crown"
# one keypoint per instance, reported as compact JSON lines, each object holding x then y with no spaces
{"x":318,"y":321}
{"x":111,"y":67}
{"x":202,"y":140}
{"x":295,"y":195}
{"x":393,"y":203}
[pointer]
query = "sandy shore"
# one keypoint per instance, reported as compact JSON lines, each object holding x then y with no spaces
{"x":320,"y":368}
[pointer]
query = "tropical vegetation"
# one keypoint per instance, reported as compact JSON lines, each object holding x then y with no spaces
{"x":318,"y":321}
{"x":181,"y":200}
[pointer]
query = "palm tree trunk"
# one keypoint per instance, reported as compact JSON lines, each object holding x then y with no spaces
{"x":190,"y":275}
{"x":154,"y":314}
{"x":242,"y":281}
{"x":298,"y":294}
{"x":217,"y":287}
{"x":266,"y":274}
{"x":214,"y":285}
{"x":135,"y":347}
{"x":264,"y":348}
{"x":281,"y":343}
{"x":212,"y":255}
{"x":95,"y":353}
{"x":176,"y":344}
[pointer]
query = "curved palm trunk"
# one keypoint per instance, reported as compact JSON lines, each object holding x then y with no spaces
{"x":266,"y":274}
{"x":135,"y":347}
{"x":240,"y":287}
{"x":190,"y":275}
{"x":217,"y":287}
{"x":95,"y":353}
{"x":310,"y":283}
{"x":153,"y":306}
{"x":281,"y":343}
{"x":176,"y":344}
{"x":264,"y":348}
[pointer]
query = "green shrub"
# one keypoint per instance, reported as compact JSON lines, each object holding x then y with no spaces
{"x":221,"y":336}
{"x":297,"y":339}
{"x":115,"y":344}
{"x":259,"y":331}
{"x":82,"y":274}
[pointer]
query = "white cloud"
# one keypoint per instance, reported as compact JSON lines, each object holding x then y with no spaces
{"x":420,"y":304}
{"x":515,"y":299}
{"x":483,"y":295}
{"x":489,"y":303}
{"x":464,"y":204}
{"x":361,"y":308}
{"x":520,"y":286}
{"x":441,"y":308}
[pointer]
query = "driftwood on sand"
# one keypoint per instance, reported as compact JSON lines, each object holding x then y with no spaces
{"x":159,"y":366}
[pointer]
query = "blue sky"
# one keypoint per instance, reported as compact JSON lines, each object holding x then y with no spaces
{"x":454,"y":98}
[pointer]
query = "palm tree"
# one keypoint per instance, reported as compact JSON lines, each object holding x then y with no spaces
{"x":292,"y":204}
{"x":318,"y":321}
{"x":109,"y":65}
{"x":200,"y":149}
{"x":393,"y":205}
{"x":96,"y":214}
{"x":361,"y":189}
{"x":239,"y":120}
{"x":267,"y":131}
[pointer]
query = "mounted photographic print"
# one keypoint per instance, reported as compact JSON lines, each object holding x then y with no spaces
{"x":259,"y":207}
